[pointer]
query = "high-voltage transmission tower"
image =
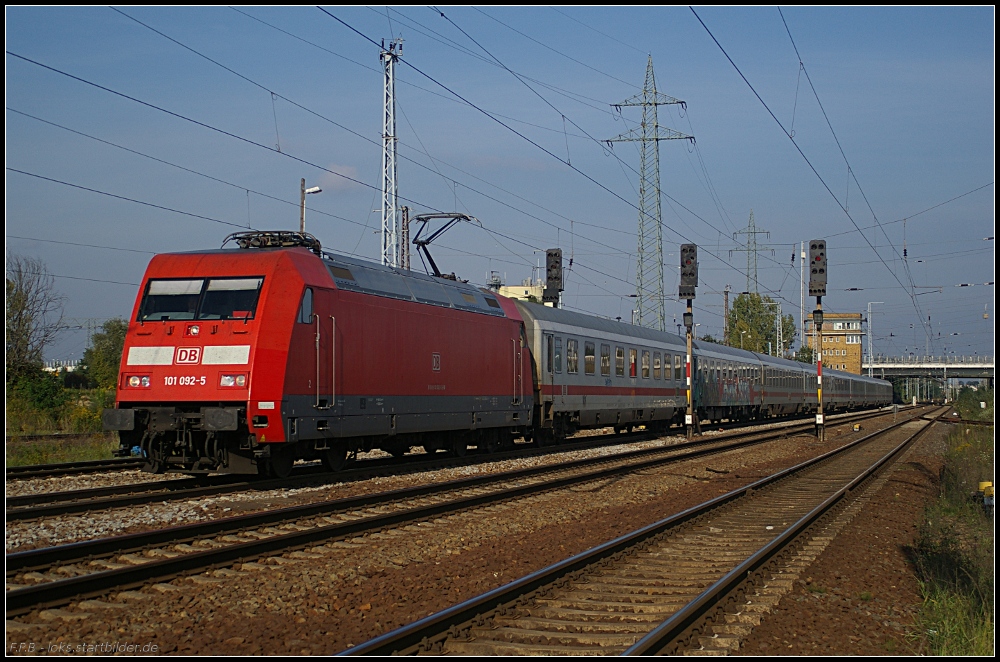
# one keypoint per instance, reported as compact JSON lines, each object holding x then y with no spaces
{"x":649,"y":270}
{"x":751,"y":250}
{"x":390,"y":208}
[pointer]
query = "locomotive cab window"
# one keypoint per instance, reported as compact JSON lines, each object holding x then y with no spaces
{"x":187,"y":299}
{"x":306,"y":307}
{"x":171,"y":300}
{"x":230,"y":298}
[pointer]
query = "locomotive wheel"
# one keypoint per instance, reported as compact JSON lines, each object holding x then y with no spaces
{"x":333,"y":459}
{"x":489,"y":442}
{"x":460,"y":447}
{"x":157,"y":463}
{"x":281,"y":462}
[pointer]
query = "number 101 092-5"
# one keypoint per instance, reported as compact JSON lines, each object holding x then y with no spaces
{"x":184,"y":380}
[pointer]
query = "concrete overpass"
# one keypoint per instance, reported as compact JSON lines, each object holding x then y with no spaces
{"x":937,"y":367}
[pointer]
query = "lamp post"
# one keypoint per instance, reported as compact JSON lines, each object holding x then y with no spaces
{"x":302,"y":207}
{"x":870,"y":335}
{"x":741,"y":338}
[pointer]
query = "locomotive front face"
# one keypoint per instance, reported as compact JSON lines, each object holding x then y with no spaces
{"x":188,"y":368}
{"x":202,"y":329}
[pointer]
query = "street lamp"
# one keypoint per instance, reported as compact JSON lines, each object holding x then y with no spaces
{"x":302,"y":207}
{"x":870,"y":335}
{"x":741,"y":338}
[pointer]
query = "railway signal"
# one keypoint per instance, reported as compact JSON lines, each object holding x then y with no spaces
{"x":689,"y":271}
{"x":686,"y":290}
{"x":817,"y":268}
{"x":817,"y":288}
{"x":553,"y":276}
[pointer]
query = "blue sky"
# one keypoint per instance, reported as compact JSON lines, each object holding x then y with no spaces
{"x":909,"y":93}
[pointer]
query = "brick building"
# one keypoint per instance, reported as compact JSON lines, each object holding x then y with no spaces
{"x":842,"y":340}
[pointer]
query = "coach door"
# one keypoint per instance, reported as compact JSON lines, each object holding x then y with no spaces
{"x":517,"y":368}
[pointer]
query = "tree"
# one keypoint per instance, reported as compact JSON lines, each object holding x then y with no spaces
{"x":102,"y":359}
{"x":752,"y":325}
{"x":709,"y":338}
{"x":34,"y":315}
{"x":805,"y":355}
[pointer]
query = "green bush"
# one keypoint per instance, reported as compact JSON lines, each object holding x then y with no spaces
{"x":36,"y":408}
{"x":954,"y":552}
{"x":968,"y":404}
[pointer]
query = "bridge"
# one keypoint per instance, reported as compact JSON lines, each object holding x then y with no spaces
{"x":938,"y":367}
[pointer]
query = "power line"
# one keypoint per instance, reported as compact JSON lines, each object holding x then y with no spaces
{"x":802,"y":154}
{"x":121,"y":197}
{"x":179,"y":167}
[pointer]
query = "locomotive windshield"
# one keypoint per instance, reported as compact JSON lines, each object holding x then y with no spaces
{"x":212,"y":298}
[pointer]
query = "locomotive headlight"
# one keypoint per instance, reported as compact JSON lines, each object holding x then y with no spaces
{"x":227,"y":381}
{"x":138,"y":381}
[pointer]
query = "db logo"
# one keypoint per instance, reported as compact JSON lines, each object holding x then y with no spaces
{"x":436,"y":362}
{"x":188,"y":355}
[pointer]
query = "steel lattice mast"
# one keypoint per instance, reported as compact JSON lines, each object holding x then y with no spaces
{"x":753,"y":286}
{"x":649,"y":269}
{"x":390,"y":208}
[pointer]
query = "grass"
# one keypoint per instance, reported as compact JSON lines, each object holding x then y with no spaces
{"x":94,"y":447}
{"x":954,"y":553}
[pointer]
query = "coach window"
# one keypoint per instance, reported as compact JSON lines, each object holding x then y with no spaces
{"x":656,"y":365}
{"x":632,"y":356}
{"x":548,"y":353}
{"x":306,"y":307}
{"x":558,"y":354}
{"x":678,"y":369}
{"x":572,"y":365}
{"x":645,"y":364}
{"x":588,"y":357}
{"x":606,"y":360}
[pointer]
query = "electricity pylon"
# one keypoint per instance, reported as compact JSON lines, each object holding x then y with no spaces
{"x":649,"y":270}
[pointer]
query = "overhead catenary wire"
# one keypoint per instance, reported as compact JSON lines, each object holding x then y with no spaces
{"x":495,"y":119}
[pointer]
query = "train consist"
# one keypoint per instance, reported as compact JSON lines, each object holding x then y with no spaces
{"x":244,"y":360}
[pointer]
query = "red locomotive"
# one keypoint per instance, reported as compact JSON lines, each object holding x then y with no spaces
{"x":242,"y":361}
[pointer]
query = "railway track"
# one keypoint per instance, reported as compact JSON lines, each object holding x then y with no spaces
{"x":68,"y":468}
{"x":56,"y":575}
{"x":122,"y":464}
{"x":51,"y":504}
{"x":691,"y":583}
